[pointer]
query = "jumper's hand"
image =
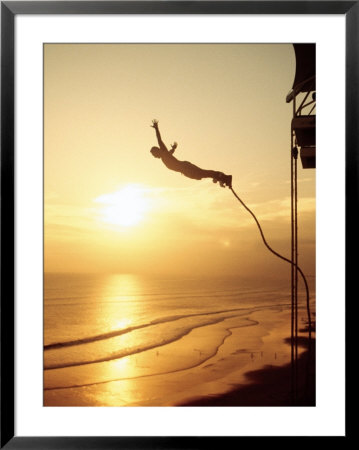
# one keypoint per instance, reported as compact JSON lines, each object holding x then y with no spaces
{"x":174,"y":146}
{"x":154,"y":124}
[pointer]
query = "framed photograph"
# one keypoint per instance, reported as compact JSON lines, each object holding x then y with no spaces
{"x":175,"y":242}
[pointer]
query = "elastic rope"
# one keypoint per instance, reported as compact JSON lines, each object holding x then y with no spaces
{"x":281,"y":257}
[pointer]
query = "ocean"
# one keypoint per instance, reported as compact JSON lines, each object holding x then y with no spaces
{"x":134,"y":340}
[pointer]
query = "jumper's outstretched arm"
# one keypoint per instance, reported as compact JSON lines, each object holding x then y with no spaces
{"x":173,"y":147}
{"x":158,"y":134}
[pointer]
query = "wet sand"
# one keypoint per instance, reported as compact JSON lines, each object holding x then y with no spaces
{"x":271,"y":386}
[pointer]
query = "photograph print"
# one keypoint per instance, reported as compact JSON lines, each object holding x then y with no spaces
{"x":179,"y":224}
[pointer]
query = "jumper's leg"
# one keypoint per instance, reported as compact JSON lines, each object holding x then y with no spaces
{"x":195,"y":172}
{"x":224,"y":180}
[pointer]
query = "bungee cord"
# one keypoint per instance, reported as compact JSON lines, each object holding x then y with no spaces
{"x":281,"y":257}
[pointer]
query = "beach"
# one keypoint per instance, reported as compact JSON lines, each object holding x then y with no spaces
{"x":126,"y":340}
{"x":270,"y":385}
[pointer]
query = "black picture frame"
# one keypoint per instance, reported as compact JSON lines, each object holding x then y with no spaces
{"x":9,"y":10}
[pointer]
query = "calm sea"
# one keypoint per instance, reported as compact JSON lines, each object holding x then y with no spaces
{"x":104,"y":328}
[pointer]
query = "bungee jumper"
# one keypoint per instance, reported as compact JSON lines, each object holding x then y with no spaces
{"x":191,"y":171}
{"x":185,"y":167}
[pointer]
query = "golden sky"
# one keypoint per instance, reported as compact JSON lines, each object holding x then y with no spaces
{"x":111,"y":207}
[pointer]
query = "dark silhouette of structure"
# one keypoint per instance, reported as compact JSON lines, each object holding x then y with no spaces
{"x":303,"y":142}
{"x":303,"y":96}
{"x":185,"y":167}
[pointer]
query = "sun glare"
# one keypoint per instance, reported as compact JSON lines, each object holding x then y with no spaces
{"x":125,"y":207}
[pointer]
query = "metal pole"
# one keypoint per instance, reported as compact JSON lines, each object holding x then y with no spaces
{"x":292,"y":259}
{"x":296,"y":264}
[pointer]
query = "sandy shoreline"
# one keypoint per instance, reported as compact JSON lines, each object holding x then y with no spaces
{"x":251,"y":367}
{"x":267,"y":380}
{"x":270,"y":386}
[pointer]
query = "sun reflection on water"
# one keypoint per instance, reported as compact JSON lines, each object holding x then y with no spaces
{"x":122,"y":324}
{"x":120,"y":314}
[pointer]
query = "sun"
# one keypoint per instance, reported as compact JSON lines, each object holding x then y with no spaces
{"x":125,"y":207}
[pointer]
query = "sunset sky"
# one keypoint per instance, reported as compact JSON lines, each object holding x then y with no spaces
{"x":111,"y":207}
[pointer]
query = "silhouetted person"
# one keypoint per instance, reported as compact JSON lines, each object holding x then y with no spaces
{"x":186,"y":168}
